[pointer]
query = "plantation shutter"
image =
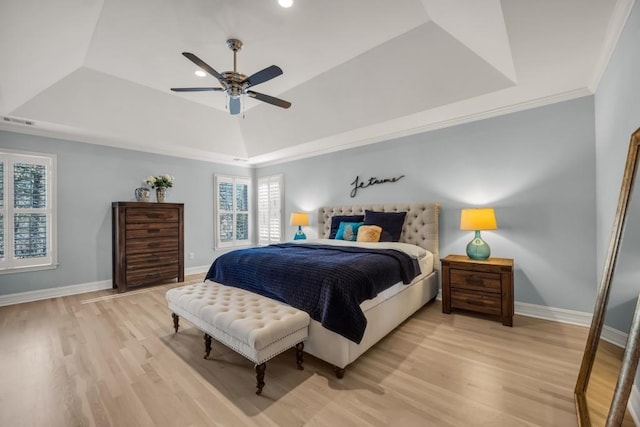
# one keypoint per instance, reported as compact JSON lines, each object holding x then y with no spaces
{"x":3,"y":214}
{"x":26,"y":211}
{"x":270,"y":201}
{"x":232,"y":195}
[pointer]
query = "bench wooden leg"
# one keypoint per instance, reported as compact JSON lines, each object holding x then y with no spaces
{"x":260,"y":377}
{"x":339,"y":372}
{"x":207,"y":345}
{"x":176,"y":320}
{"x":299,"y":355}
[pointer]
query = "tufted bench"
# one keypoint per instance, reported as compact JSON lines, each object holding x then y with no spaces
{"x":257,"y":327}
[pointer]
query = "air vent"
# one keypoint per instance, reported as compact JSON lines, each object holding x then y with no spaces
{"x":18,"y":121}
{"x":238,"y":159}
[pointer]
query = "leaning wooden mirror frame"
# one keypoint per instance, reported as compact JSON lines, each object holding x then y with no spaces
{"x":632,"y":350}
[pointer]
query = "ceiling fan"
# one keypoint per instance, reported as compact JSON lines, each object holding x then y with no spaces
{"x":236,"y":84}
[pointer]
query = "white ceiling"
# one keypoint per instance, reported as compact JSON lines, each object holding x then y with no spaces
{"x":356,"y":71}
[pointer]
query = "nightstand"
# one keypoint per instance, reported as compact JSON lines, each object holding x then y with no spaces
{"x":480,"y":286}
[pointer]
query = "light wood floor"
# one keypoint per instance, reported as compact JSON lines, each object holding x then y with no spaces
{"x":79,"y":361}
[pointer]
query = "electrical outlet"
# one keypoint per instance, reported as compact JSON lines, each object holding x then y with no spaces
{"x":192,"y":255}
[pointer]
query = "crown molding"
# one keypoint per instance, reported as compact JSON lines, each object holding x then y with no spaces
{"x":621,"y":12}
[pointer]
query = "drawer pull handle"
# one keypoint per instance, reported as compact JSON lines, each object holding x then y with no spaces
{"x":153,"y":245}
{"x":153,"y":230}
{"x":474,"y":281}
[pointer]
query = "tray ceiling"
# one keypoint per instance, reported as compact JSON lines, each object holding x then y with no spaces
{"x":356,"y":72}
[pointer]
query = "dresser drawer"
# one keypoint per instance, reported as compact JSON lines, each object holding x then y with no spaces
{"x":150,"y":275}
{"x":152,"y":229}
{"x":476,"y":301}
{"x":482,"y":281}
{"x":150,"y":260}
{"x":152,"y":215}
{"x":151,"y":245}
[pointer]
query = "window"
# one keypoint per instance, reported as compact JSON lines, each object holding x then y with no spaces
{"x":270,"y":199}
{"x":232,"y":211}
{"x":27,"y":211}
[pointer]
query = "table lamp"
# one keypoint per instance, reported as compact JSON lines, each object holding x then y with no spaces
{"x":299,"y":219}
{"x":478,"y":219}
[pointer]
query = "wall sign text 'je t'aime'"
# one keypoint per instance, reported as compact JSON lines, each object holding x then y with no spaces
{"x":357,"y":184}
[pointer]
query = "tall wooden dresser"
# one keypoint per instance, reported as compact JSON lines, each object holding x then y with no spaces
{"x":148,"y":243}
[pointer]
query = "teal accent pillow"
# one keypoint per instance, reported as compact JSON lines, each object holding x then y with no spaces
{"x":348,"y":231}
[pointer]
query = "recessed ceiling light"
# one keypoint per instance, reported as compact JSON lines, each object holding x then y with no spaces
{"x":285,"y":3}
{"x":200,"y":73}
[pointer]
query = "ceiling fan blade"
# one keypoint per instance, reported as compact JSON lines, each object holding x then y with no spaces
{"x":196,"y":89}
{"x":269,"y":99}
{"x":200,"y":63}
{"x":234,"y":105}
{"x":263,"y":75}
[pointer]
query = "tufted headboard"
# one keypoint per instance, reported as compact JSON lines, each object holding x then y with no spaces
{"x":420,"y":225}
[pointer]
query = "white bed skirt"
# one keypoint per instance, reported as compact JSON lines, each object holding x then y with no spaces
{"x":381,"y":319}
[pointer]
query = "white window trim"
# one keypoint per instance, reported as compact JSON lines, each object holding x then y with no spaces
{"x":8,"y":265}
{"x":217,"y":212}
{"x":268,"y":180}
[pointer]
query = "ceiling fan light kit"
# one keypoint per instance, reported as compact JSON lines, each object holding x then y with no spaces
{"x":236,"y":84}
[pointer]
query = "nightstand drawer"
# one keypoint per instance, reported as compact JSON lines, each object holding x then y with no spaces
{"x":484,"y":303}
{"x":489,"y":282}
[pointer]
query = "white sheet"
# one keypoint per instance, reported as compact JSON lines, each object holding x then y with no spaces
{"x":424,"y":257}
{"x":415,"y":252}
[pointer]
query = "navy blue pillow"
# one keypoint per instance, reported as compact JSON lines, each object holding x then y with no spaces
{"x":336,"y":220}
{"x":391,"y":223}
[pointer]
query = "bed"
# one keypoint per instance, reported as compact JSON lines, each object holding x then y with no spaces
{"x":385,"y":311}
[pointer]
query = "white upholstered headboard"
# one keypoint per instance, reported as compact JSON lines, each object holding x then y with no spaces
{"x":420,"y":225}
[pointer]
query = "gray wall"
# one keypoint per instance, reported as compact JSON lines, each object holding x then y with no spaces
{"x":617,"y":115}
{"x":537,"y":168}
{"x":90,"y":177}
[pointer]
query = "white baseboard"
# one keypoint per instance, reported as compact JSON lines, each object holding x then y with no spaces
{"x":196,"y":270}
{"x":614,"y":336}
{"x":571,"y":317}
{"x":63,"y":291}
{"x":561,"y":315}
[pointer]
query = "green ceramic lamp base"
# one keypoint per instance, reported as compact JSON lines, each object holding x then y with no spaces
{"x":299,"y":234}
{"x":478,"y":249}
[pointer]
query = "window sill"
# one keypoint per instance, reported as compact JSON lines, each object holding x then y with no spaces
{"x":28,"y":269}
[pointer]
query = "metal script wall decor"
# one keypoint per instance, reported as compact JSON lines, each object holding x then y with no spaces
{"x":357,"y":184}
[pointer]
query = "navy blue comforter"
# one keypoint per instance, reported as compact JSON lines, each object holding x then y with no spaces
{"x":328,"y":282}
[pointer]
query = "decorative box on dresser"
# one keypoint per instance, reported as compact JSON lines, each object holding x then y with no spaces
{"x":480,"y":286}
{"x":148,"y":243}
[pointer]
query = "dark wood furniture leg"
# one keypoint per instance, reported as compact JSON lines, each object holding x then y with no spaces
{"x":176,"y":321}
{"x":207,"y":345}
{"x":260,"y":377}
{"x":299,"y":355}
{"x":339,"y":372}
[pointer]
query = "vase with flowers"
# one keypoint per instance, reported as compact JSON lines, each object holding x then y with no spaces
{"x":160,"y":183}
